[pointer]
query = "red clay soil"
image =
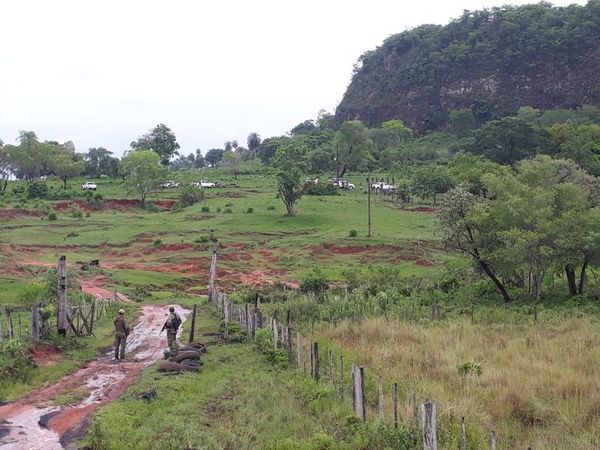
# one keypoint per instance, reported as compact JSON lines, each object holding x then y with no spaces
{"x":44,"y":354}
{"x":112,"y":204}
{"x":423,"y":209}
{"x":102,"y":381}
{"x":17,"y":213}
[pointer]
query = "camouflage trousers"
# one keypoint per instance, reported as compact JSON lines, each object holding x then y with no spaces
{"x":120,"y":342}
{"x":172,"y":339}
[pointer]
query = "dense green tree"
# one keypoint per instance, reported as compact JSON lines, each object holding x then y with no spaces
{"x":290,"y":162}
{"x":99,"y":161}
{"x":160,"y":140}
{"x":581,"y":143}
{"x":468,"y":170}
{"x":213,"y":157}
{"x":462,"y":121}
{"x":269,"y":146}
{"x":308,"y":126}
{"x":232,"y":160}
{"x":352,"y":147}
{"x":253,"y":141}
{"x":144,"y":172}
{"x":65,"y":163}
{"x":430,"y":181}
{"x":509,"y":140}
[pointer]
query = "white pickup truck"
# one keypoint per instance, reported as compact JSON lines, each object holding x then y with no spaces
{"x":89,"y":186}
{"x":204,"y":184}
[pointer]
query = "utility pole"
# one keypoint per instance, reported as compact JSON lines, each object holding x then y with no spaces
{"x":369,"y":204}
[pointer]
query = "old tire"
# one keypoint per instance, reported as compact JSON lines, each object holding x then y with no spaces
{"x":190,"y":354}
{"x":167,"y":366}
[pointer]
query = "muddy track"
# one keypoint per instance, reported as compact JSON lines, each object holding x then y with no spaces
{"x":36,"y":422}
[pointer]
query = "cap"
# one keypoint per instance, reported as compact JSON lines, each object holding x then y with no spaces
{"x":171,"y":308}
{"x":121,"y":311}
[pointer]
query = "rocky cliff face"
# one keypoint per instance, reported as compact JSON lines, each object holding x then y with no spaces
{"x":491,"y":61}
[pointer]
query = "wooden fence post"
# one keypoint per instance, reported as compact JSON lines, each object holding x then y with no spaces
{"x":493,"y":441}
{"x":330,"y":364}
{"x":395,"y":404}
{"x":275,"y":333}
{"x":299,"y":349}
{"x":248,"y":319}
{"x":288,"y":332}
{"x":463,"y":434}
{"x":428,"y":415}
{"x":341,"y":377}
{"x":92,"y":315}
{"x":63,"y":305}
{"x":314,"y":361}
{"x":1,"y":333}
{"x":211,"y":277}
{"x":34,"y":328}
{"x":9,"y":322}
{"x":435,"y":312}
{"x":193,"y":326}
{"x":358,"y":392}
{"x":381,"y":401}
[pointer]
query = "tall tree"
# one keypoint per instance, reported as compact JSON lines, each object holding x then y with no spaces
{"x":66,"y":163}
{"x":232,"y":160}
{"x":253,"y":142}
{"x":98,"y":161}
{"x":160,"y":140}
{"x":352,"y":146}
{"x":290,"y":162}
{"x":144,"y":172}
{"x":213,"y":156}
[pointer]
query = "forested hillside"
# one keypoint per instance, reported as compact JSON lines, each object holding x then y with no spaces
{"x":491,"y":61}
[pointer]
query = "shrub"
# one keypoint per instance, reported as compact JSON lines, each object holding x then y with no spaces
{"x":94,"y":200}
{"x":151,"y":207}
{"x":71,"y":234}
{"x":249,"y":210}
{"x":263,"y":343}
{"x":75,"y":211}
{"x":37,"y":189}
{"x":228,"y":204}
{"x":352,"y":233}
{"x":470,"y":368}
{"x":227,"y":211}
{"x":157,"y":242}
{"x":320,"y":189}
{"x":14,"y":362}
{"x":204,"y":239}
{"x":271,"y":208}
{"x":190,"y":195}
{"x":52,"y":216}
{"x":218,"y":209}
{"x":314,"y":282}
{"x":205,"y":209}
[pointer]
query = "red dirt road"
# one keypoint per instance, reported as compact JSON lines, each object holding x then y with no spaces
{"x":97,"y":383}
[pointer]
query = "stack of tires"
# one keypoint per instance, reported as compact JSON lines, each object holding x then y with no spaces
{"x":187,"y":358}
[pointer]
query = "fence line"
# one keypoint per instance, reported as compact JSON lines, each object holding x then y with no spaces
{"x":307,"y":354}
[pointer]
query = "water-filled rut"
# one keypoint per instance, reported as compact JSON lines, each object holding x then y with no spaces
{"x":36,"y":422}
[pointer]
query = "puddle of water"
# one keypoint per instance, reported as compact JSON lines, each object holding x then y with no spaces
{"x":103,"y":379}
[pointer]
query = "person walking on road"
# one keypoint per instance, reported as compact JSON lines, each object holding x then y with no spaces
{"x":121,"y":333}
{"x":172,"y":325}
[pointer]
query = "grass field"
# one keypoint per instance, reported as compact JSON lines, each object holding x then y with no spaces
{"x":538,"y":385}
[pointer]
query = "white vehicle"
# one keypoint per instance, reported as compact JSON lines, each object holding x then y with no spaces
{"x":170,"y":184}
{"x":343,"y":184}
{"x":381,"y":186}
{"x":204,"y":184}
{"x":89,"y":186}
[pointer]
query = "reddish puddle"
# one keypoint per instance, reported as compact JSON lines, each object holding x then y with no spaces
{"x":96,"y":384}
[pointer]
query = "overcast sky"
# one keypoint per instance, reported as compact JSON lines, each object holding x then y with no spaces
{"x":101,"y":73}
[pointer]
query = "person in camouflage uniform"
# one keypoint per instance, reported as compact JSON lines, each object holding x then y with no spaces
{"x":121,"y":333}
{"x":171,"y":325}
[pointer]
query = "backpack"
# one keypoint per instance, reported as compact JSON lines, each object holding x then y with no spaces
{"x":175,"y":322}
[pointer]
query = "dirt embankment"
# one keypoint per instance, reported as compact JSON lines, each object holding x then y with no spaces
{"x":21,"y":213}
{"x":112,"y":204}
{"x":35,"y":421}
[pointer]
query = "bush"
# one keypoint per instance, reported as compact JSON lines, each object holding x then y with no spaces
{"x":263,"y":343}
{"x":469,"y":368}
{"x":320,"y":189}
{"x":37,"y":189}
{"x":271,"y":208}
{"x":94,"y":200}
{"x":218,"y":209}
{"x":228,"y":204}
{"x":75,"y":211}
{"x":157,"y":242}
{"x":249,"y":210}
{"x":71,"y":234}
{"x":190,"y":195}
{"x":314,"y":282}
{"x":227,"y":211}
{"x":151,"y":207}
{"x":353,"y":233}
{"x":205,"y":209}
{"x":14,"y":362}
{"x":52,"y":216}
{"x":204,"y":239}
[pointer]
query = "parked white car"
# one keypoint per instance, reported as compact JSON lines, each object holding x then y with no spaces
{"x":89,"y":186}
{"x":170,"y":184}
{"x":343,"y":184}
{"x":204,"y":184}
{"x":381,"y":186}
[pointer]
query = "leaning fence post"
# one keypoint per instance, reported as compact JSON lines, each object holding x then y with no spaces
{"x":358,"y":392}
{"x":463,"y":434}
{"x":428,"y":415}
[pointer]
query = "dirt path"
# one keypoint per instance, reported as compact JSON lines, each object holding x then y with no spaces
{"x":35,"y":422}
